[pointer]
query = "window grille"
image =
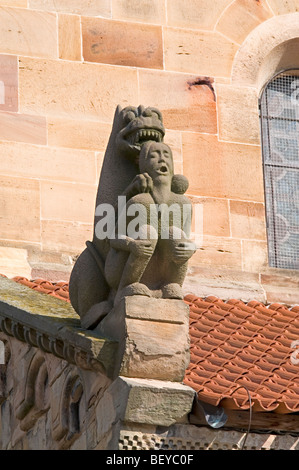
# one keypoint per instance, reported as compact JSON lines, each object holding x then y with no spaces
{"x":279,"y":113}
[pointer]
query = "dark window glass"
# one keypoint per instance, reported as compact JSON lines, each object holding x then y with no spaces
{"x":279,"y":112}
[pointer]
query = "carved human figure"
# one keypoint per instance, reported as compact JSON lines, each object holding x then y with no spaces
{"x":107,"y":269}
{"x":153,"y":260}
{"x":90,"y":294}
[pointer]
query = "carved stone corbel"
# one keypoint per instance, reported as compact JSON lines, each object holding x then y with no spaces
{"x":36,"y":393}
{"x":5,"y":354}
{"x":66,"y":421}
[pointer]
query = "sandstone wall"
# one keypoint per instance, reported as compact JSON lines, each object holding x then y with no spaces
{"x":64,"y":66}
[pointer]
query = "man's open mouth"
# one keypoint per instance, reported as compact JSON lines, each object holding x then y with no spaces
{"x":163,"y":169}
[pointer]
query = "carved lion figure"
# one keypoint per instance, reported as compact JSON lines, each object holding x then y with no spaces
{"x":139,"y":167}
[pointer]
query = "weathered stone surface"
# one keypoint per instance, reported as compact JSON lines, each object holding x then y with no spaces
{"x":238,"y":123}
{"x":106,"y":414}
{"x":181,"y":437}
{"x":186,"y":101}
{"x":279,"y":287}
{"x":72,"y":89}
{"x":9,"y":83}
{"x":23,"y":128}
{"x":31,"y":161}
{"x":146,"y":11}
{"x":173,"y":138}
{"x":142,"y":357}
{"x":215,"y":215}
{"x":281,"y":7}
{"x":69,"y":35}
{"x":267,"y":50}
{"x":140,"y":354}
{"x":65,"y":236}
{"x":218,"y":252}
{"x":6,"y":416}
{"x":16,"y":196}
{"x":80,"y":134}
{"x":63,"y":392}
{"x":121,"y":43}
{"x":241,"y":17}
{"x":278,"y":294}
{"x":53,"y":325}
{"x":28,"y":32}
{"x":13,"y":262}
{"x":28,"y":304}
{"x":195,"y":14}
{"x":280,"y":279}
{"x":78,"y":201}
{"x":254,"y":255}
{"x":205,"y":53}
{"x":223,"y":283}
{"x":49,"y":402}
{"x":48,"y":264}
{"x":76,"y":7}
{"x":14,"y":3}
{"x":152,"y":402}
{"x":222,"y":169}
{"x":248,"y":220}
{"x":166,"y":310}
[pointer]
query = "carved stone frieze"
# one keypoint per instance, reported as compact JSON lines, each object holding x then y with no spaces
{"x":35,"y":393}
{"x":5,"y":357}
{"x":66,"y":425}
{"x":52,"y":326}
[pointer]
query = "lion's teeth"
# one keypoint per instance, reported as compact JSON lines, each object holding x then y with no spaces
{"x":143,"y":135}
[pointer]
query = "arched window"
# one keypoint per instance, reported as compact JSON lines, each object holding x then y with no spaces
{"x":279,"y":113}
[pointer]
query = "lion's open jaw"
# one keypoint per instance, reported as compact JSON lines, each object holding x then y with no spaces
{"x":141,"y":136}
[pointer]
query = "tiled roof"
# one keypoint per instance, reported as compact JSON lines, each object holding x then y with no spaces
{"x":56,"y":289}
{"x":233,"y":345}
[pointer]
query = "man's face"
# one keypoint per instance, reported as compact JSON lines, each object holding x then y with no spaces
{"x":158,"y":162}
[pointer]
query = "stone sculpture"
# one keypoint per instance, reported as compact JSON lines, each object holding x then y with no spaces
{"x":151,"y":261}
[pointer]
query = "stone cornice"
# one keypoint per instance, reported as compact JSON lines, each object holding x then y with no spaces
{"x":53,"y":326}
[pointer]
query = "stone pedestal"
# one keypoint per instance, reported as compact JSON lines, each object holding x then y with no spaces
{"x":153,"y":336}
{"x":152,"y":356}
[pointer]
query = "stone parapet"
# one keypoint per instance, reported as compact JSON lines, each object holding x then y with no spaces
{"x":60,"y":386}
{"x":52,"y":326}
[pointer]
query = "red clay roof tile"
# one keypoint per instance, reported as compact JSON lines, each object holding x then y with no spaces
{"x":254,"y":349}
{"x":233,"y":345}
{"x":56,"y":289}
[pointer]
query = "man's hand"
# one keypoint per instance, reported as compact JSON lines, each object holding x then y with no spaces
{"x":142,"y":183}
{"x":183,"y":251}
{"x":141,"y":248}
